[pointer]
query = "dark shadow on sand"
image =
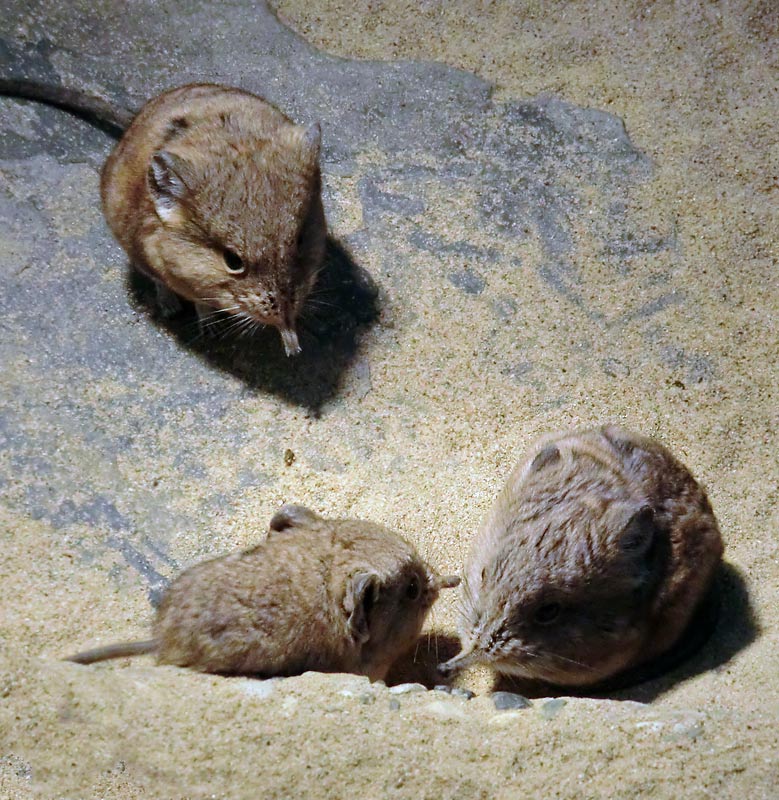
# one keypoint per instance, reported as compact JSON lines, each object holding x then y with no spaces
{"x":419,"y":665}
{"x":344,"y":302}
{"x":725,"y":625}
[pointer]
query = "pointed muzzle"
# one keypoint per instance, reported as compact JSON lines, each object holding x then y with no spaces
{"x":463,"y":659}
{"x":289,"y":339}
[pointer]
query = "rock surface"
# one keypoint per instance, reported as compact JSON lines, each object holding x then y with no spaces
{"x":538,"y":267}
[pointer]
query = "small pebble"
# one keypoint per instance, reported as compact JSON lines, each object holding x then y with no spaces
{"x":394,"y":704}
{"x":367,"y":699}
{"x":507,"y":700}
{"x":442,"y":688}
{"x":466,"y":694}
{"x":551,"y":708}
{"x":407,"y":688}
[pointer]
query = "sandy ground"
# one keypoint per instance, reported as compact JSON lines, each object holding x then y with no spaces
{"x":443,"y":396}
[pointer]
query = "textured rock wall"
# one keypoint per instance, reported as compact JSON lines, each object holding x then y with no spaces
{"x":500,"y":266}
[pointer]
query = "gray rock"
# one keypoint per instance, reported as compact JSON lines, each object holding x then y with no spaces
{"x":551,"y":708}
{"x":407,"y":688}
{"x":505,"y":701}
{"x":466,"y":694}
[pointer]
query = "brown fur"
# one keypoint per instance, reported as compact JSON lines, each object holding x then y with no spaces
{"x":325,"y":595}
{"x":592,"y":561}
{"x":214,"y":194}
{"x":209,"y":177}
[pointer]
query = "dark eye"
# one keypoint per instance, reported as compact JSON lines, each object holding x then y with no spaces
{"x":234,"y":263}
{"x":413,"y":590}
{"x":547,"y":614}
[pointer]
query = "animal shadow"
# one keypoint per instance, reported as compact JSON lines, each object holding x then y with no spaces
{"x":724,"y":625}
{"x":344,"y":302}
{"x":419,"y":664}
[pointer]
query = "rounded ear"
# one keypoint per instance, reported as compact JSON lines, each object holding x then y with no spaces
{"x":166,"y":184}
{"x":292,"y":516}
{"x":362,"y":592}
{"x":549,"y":455}
{"x":638,"y":535}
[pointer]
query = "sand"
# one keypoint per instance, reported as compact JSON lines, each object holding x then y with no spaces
{"x":474,"y":354}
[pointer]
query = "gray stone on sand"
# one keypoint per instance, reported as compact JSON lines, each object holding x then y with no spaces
{"x":505,"y":701}
{"x":407,"y":688}
{"x":466,"y":694}
{"x":551,"y":708}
